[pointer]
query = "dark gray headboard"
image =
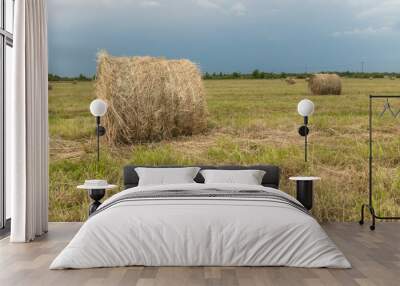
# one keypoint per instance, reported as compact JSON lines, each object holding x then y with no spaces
{"x":271,"y":177}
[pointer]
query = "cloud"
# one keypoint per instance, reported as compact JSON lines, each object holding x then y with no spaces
{"x":208,"y":4}
{"x":364,"y":31}
{"x":150,"y":3}
{"x":239,"y":9}
{"x":227,"y":35}
{"x":383,"y":8}
{"x":377,"y":18}
{"x":223,"y":6}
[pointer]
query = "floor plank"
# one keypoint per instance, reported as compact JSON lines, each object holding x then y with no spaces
{"x":375,"y":257}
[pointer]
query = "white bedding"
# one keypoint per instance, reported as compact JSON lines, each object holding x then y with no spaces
{"x":200,"y":231}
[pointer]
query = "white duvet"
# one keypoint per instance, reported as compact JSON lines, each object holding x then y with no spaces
{"x":202,"y":232}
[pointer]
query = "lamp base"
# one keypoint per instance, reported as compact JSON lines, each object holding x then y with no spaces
{"x":100,"y":130}
{"x":303,"y":130}
{"x":96,"y":195}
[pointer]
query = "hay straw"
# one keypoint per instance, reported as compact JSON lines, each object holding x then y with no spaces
{"x":322,"y":84}
{"x":150,"y":99}
{"x":290,"y":81}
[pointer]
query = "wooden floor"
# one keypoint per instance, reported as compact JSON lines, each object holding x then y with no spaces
{"x":375,"y":257}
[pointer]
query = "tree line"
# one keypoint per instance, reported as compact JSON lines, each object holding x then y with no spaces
{"x":256,"y":74}
{"x":81,"y":77}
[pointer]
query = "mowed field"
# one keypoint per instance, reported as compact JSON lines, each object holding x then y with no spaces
{"x":250,"y":122}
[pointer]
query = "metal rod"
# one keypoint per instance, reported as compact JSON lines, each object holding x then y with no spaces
{"x":370,"y":152}
{"x":305,"y":147}
{"x":305,"y":138}
{"x":384,"y":96}
{"x":98,"y":140}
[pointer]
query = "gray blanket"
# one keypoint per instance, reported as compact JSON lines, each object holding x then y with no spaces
{"x":205,"y":194}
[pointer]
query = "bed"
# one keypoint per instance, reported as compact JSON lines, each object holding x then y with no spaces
{"x":201,"y":224}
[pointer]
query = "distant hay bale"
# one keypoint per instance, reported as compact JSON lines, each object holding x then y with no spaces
{"x":392,"y":78}
{"x":74,"y":82}
{"x":371,"y":78}
{"x":322,"y":84}
{"x":307,"y":79}
{"x":50,"y":87}
{"x":150,"y":99}
{"x":290,"y":81}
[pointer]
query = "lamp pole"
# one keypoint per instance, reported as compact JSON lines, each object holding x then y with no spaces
{"x":98,"y":139}
{"x":305,"y":138}
{"x":98,"y":108}
{"x":305,"y":108}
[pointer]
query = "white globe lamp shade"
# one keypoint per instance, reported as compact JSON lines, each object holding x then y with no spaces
{"x":305,"y":107}
{"x":98,"y":107}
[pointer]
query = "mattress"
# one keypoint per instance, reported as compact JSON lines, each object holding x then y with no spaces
{"x":201,"y":225}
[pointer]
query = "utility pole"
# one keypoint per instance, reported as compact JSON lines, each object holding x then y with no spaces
{"x":362,"y":66}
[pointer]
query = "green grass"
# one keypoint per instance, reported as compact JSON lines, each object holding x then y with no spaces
{"x":251,"y":121}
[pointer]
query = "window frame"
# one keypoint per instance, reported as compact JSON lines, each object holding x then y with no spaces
{"x":6,"y":39}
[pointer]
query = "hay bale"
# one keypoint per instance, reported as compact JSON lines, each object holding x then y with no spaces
{"x":50,"y":87}
{"x":74,"y":82}
{"x":150,"y":99}
{"x":322,"y":84}
{"x":290,"y":81}
{"x":307,"y":79}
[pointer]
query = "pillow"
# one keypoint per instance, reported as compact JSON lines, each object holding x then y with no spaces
{"x":248,"y":177}
{"x":166,"y":176}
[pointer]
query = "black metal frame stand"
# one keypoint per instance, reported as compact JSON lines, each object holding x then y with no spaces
{"x":369,"y":206}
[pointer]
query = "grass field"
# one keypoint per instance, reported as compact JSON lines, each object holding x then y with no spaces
{"x":251,"y":121}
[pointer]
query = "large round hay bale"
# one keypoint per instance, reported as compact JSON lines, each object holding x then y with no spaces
{"x":290,"y":81}
{"x":150,"y":99}
{"x":322,"y":84}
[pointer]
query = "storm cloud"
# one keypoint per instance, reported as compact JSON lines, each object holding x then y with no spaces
{"x":228,"y":35}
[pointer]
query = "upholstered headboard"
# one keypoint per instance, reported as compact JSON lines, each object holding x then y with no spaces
{"x":271,"y":177}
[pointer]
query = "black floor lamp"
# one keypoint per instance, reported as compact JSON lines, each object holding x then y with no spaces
{"x":305,"y":108}
{"x":98,"y":108}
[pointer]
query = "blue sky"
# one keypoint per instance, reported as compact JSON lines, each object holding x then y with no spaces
{"x":228,"y":35}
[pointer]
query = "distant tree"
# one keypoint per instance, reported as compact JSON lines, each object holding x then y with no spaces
{"x":235,"y":75}
{"x":255,"y":73}
{"x":54,"y":77}
{"x":82,"y":77}
{"x":207,"y":76}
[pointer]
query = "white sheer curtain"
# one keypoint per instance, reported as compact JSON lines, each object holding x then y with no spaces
{"x":27,"y":123}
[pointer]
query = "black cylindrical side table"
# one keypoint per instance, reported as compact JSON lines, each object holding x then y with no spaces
{"x":96,"y":190}
{"x":304,"y":190}
{"x":96,"y":195}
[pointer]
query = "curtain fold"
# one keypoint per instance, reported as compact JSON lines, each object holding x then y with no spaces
{"x":27,"y":120}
